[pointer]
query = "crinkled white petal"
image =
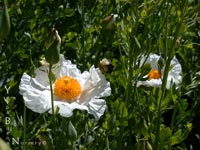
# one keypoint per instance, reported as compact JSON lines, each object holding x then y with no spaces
{"x":41,"y":75}
{"x":174,"y":75}
{"x":36,"y":91}
{"x":97,"y":107}
{"x":95,"y":86}
{"x":175,"y":72}
{"x":152,"y":60}
{"x":35,"y":97}
{"x":150,"y":83}
{"x":66,"y":109}
{"x":69,"y":69}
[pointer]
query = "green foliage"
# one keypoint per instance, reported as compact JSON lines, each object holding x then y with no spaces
{"x":4,"y":21}
{"x":136,"y":117}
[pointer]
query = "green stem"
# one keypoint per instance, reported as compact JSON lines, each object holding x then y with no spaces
{"x":107,"y":142}
{"x":158,"y":119}
{"x":169,"y":57}
{"x":132,"y":56}
{"x":173,"y":117}
{"x":83,"y":33}
{"x":55,"y":125}
{"x":156,"y":146}
{"x":24,"y":129}
{"x":51,"y":88}
{"x":167,"y":68}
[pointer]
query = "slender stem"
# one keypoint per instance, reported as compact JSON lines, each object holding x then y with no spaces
{"x":169,"y":57}
{"x":24,"y":129}
{"x":52,"y":106}
{"x":173,"y":117}
{"x":167,"y":68}
{"x":83,"y":33}
{"x":132,"y":54}
{"x":156,"y":146}
{"x":107,"y":142}
{"x":51,"y":88}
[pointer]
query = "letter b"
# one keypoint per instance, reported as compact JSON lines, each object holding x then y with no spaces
{"x":7,"y":120}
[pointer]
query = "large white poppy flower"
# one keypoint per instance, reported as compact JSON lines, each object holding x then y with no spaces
{"x":72,"y":90}
{"x":154,"y":77}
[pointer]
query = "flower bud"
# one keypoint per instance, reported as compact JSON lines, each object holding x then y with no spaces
{"x":178,"y":43}
{"x":43,"y":62}
{"x":105,"y":66}
{"x":143,"y":144}
{"x":4,"y":20}
{"x":109,"y":22}
{"x":52,"y":45}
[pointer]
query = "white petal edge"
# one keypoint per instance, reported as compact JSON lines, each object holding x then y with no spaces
{"x":95,"y":86}
{"x":150,"y":83}
{"x":35,"y":99}
{"x":96,"y":107}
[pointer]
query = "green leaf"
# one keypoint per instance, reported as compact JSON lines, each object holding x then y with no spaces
{"x":165,"y":136}
{"x":123,"y":112}
{"x":16,"y":132}
{"x":71,"y":130}
{"x":137,"y":42}
{"x":177,"y":137}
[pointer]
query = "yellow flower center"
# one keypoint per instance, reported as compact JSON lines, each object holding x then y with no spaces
{"x":154,"y":74}
{"x":67,"y":88}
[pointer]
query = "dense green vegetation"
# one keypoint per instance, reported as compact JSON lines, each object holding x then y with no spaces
{"x":139,"y":118}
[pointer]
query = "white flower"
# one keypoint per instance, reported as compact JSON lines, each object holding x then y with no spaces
{"x":155,"y":77}
{"x":72,"y":90}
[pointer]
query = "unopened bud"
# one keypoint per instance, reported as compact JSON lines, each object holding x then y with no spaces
{"x":178,"y":43}
{"x":148,"y":146}
{"x":105,"y":66}
{"x":52,"y":45}
{"x":43,"y":62}
{"x":109,"y":22}
{"x":4,"y":20}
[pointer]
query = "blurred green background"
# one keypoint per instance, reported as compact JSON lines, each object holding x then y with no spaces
{"x":164,"y":27}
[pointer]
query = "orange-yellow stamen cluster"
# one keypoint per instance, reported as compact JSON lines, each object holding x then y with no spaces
{"x":154,"y":74}
{"x":67,"y":88}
